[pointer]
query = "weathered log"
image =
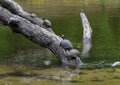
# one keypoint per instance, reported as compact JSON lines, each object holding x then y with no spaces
{"x":16,"y":9}
{"x":11,"y":14}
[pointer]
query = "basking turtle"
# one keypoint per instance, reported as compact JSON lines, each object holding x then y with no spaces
{"x":47,"y":23}
{"x":33,"y":15}
{"x":74,"y":52}
{"x":66,"y":44}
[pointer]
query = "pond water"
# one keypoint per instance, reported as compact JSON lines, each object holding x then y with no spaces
{"x":103,"y":15}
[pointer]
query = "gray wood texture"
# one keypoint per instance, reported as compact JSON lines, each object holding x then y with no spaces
{"x":31,"y":26}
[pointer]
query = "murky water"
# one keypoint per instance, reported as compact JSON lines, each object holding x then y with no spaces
{"x":103,"y":15}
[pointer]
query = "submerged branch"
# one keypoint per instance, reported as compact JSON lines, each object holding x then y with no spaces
{"x":87,"y":34}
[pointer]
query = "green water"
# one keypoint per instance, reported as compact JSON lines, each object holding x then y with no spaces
{"x":103,"y":15}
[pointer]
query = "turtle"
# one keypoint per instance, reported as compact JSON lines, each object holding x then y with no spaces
{"x":33,"y":15}
{"x":47,"y":23}
{"x":74,"y":52}
{"x":66,"y":44}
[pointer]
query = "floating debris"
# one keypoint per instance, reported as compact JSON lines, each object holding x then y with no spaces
{"x":115,"y":64}
{"x":47,"y":62}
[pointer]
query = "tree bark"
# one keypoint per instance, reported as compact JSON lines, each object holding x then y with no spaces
{"x":32,"y":27}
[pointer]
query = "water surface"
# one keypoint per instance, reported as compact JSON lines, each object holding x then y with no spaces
{"x":103,"y":15}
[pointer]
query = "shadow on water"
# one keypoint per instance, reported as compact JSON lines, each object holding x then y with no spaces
{"x":54,"y":77}
{"x":97,"y":80}
{"x":116,"y":77}
{"x":18,"y":74}
{"x":76,"y":81}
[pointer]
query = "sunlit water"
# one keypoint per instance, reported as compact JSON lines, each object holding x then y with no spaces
{"x":104,"y":17}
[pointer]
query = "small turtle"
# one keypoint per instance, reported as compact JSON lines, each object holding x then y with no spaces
{"x":66,"y":44}
{"x":74,"y":52}
{"x":47,"y":23}
{"x":33,"y":15}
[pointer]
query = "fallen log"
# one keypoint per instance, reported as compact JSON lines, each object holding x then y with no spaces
{"x":32,"y":27}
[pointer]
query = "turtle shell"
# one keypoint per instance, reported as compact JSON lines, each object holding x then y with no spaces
{"x":74,"y":52}
{"x":66,"y":44}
